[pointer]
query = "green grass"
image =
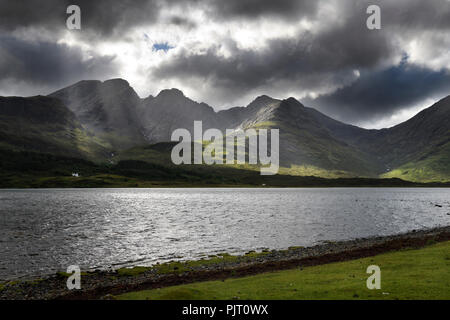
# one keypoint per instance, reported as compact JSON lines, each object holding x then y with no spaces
{"x":312,"y":171}
{"x":407,"y":274}
{"x":177,"y":267}
{"x":62,"y":275}
{"x":430,"y":167}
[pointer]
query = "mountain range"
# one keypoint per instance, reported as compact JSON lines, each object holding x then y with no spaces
{"x":107,"y":122}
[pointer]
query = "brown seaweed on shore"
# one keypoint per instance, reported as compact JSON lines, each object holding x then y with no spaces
{"x":98,"y":284}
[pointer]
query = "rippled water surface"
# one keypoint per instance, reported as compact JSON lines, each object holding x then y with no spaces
{"x":43,"y":231}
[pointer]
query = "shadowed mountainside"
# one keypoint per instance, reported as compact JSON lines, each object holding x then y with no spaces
{"x":108,"y":122}
{"x":109,"y":109}
{"x":44,"y":124}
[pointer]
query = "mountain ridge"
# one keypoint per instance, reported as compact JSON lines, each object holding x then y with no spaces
{"x":112,"y":118}
{"x":44,"y":124}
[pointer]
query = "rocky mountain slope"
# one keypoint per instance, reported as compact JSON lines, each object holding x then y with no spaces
{"x":45,"y":124}
{"x":94,"y":119}
{"x":109,"y":109}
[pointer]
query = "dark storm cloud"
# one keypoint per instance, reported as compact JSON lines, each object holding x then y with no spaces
{"x":378,"y":94}
{"x":407,"y":13}
{"x":259,"y":8}
{"x":313,"y":61}
{"x":417,"y":14}
{"x":316,"y":61}
{"x":99,"y":17}
{"x":182,"y":21}
{"x":116,"y":17}
{"x":48,"y":64}
{"x":301,"y":59}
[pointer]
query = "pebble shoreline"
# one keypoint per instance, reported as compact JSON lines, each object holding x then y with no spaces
{"x":104,"y":284}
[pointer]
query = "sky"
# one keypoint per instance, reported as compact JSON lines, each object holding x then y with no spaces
{"x":226,"y":53}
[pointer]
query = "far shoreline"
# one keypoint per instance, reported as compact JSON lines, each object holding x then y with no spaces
{"x":409,"y":185}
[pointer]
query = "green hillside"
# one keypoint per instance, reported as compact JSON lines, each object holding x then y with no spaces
{"x":107,"y":123}
{"x":419,"y":149}
{"x":44,"y":124}
{"x":432,"y":166}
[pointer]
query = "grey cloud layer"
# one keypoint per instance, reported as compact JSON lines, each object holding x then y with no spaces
{"x":309,"y":61}
{"x":99,"y":17}
{"x":299,"y":59}
{"x":377,"y":94}
{"x":36,"y":63}
{"x":286,"y":9}
{"x":116,"y":17}
{"x":315,"y":61}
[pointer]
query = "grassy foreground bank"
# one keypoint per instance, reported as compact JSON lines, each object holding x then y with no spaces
{"x":406,"y":274}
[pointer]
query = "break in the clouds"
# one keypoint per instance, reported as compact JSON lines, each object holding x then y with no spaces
{"x":227,"y":52}
{"x":28,"y":66}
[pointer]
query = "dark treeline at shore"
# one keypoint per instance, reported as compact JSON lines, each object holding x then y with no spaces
{"x":21,"y":169}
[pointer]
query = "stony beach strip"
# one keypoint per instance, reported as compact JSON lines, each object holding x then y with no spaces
{"x":106,"y":284}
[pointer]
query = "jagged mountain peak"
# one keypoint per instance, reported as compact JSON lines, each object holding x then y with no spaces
{"x":83,"y":87}
{"x":117,"y":85}
{"x":105,"y":107}
{"x":174,"y":99}
{"x":293,"y":101}
{"x":290,"y":103}
{"x":262,"y":101}
{"x":117,"y":81}
{"x":169,"y":93}
{"x":264,"y":98}
{"x":112,"y":112}
{"x":88,"y":88}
